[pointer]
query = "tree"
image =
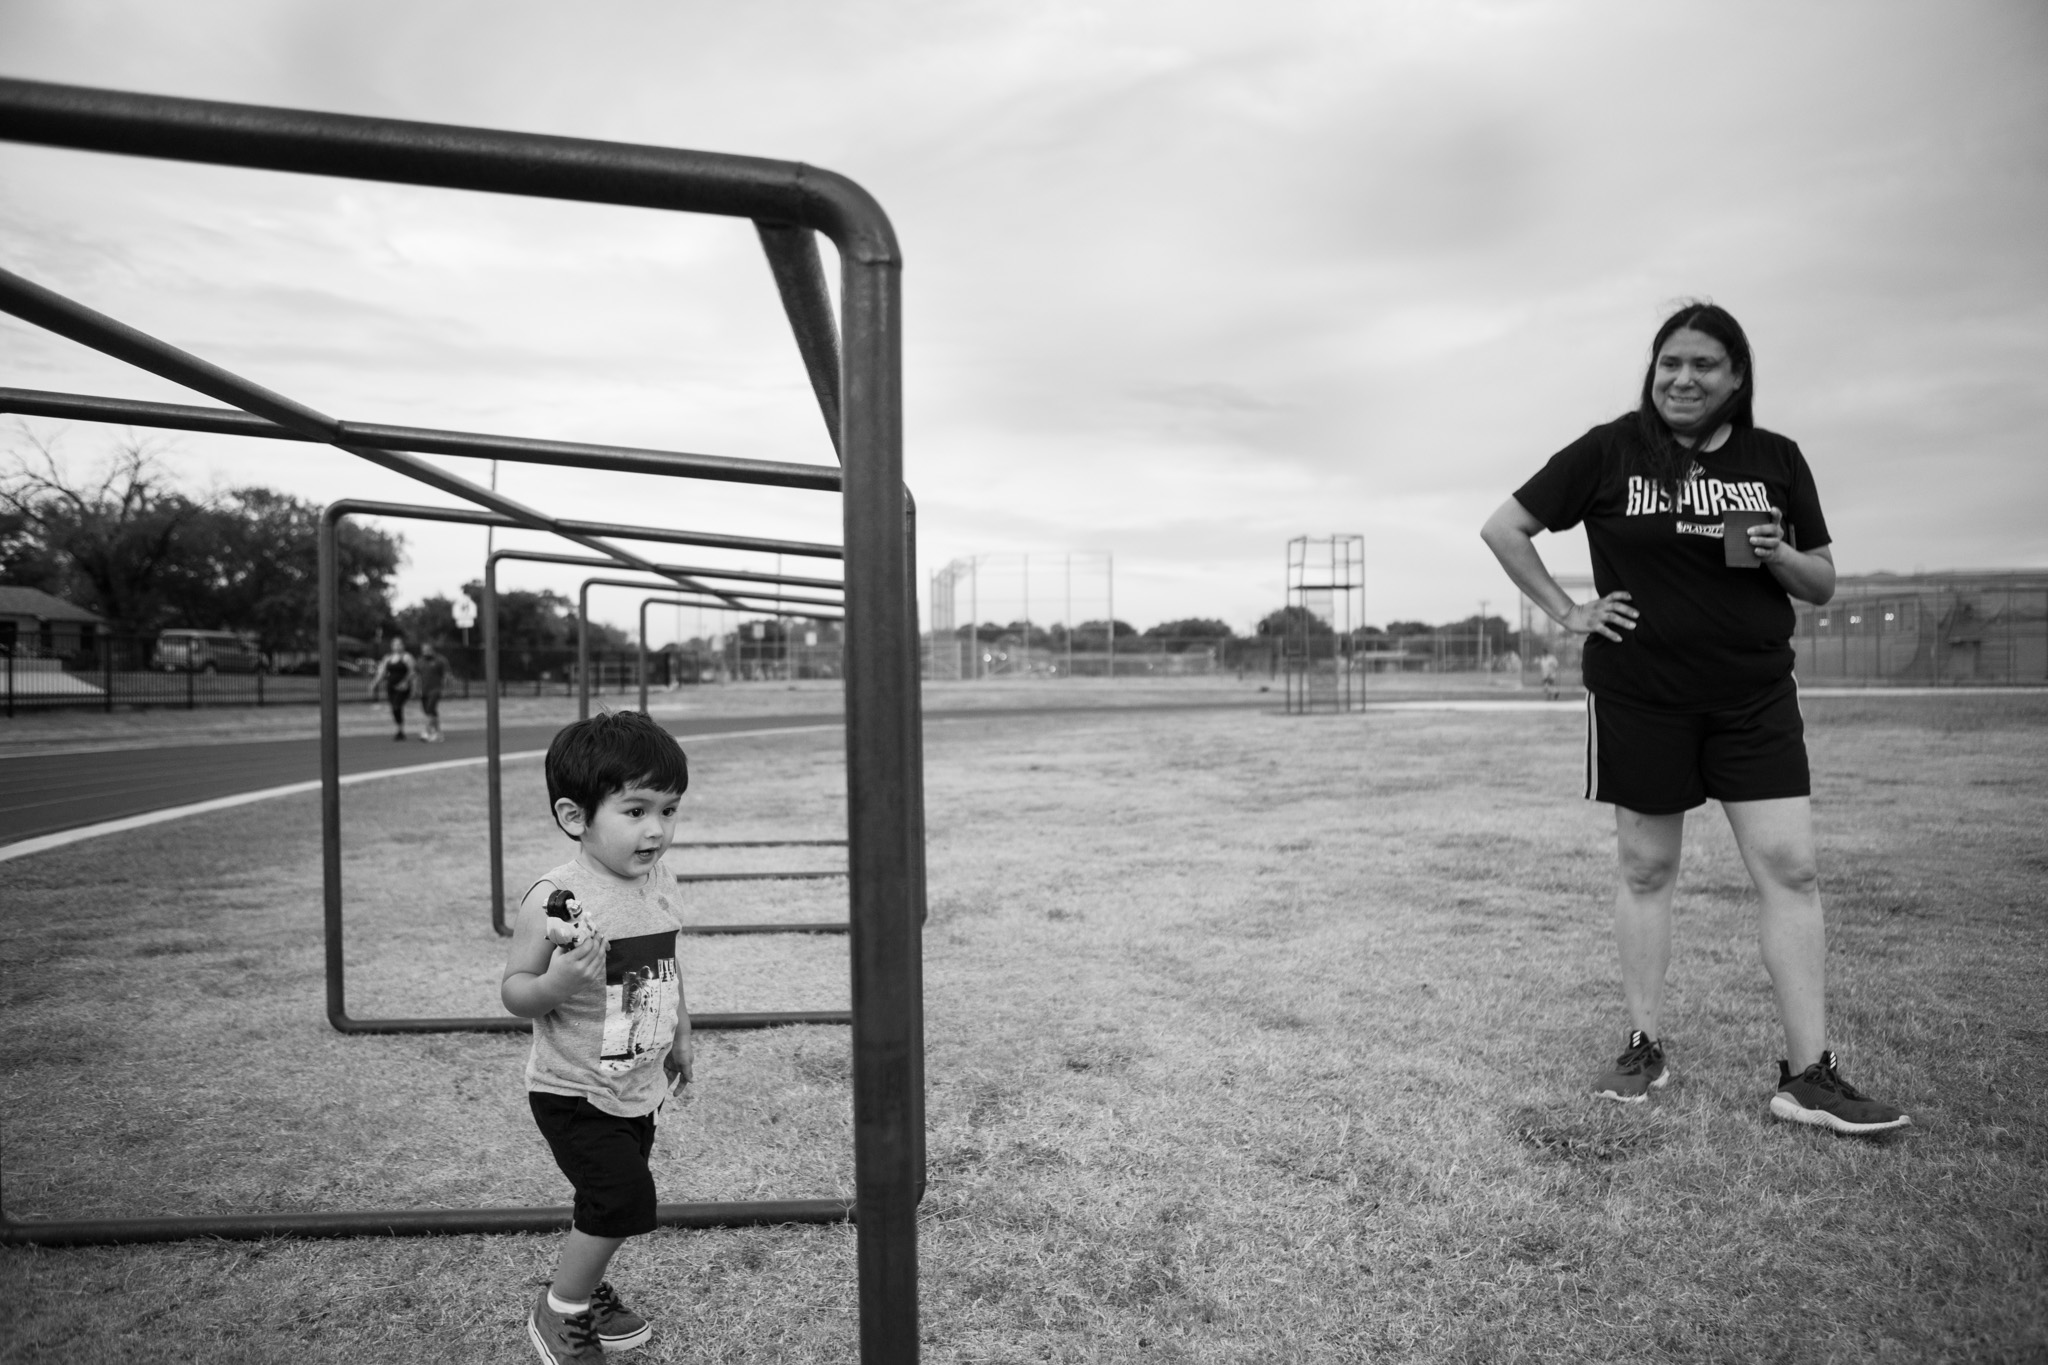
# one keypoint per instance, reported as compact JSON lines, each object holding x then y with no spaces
{"x":126,"y":543}
{"x":25,"y":561}
{"x":431,"y":619}
{"x":1096,"y":634}
{"x":251,"y":562}
{"x":537,"y":620}
{"x":1293,"y":619}
{"x":1180,"y":635}
{"x":107,"y":540}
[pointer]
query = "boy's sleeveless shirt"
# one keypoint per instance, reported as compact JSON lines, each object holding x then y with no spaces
{"x":606,"y":1046}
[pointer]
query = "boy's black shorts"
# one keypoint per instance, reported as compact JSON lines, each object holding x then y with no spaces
{"x":605,"y":1158}
{"x":1659,"y":762}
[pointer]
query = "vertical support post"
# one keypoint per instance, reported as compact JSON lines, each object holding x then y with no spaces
{"x":495,"y":795}
{"x":643,"y":653}
{"x":884,"y":859}
{"x":583,"y":652}
{"x":330,"y":763}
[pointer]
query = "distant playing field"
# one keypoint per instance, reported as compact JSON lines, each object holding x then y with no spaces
{"x":1251,"y":1039}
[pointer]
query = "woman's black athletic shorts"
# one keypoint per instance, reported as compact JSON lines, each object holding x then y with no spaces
{"x":605,"y":1158}
{"x":1659,"y":762}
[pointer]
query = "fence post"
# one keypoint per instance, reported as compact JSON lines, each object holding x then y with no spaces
{"x":107,"y":670}
{"x":10,"y":676}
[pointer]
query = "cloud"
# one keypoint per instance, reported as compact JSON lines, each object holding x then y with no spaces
{"x":1182,"y":279}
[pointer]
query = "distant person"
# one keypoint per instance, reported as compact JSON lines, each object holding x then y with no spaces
{"x":1688,"y":673}
{"x":611,"y":1030}
{"x":433,"y":675}
{"x":1548,"y":665}
{"x":395,"y":675}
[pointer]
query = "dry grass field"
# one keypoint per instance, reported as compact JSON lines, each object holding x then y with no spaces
{"x":1252,"y":1039}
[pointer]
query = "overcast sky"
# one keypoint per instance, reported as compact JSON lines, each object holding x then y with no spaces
{"x":1182,"y":280}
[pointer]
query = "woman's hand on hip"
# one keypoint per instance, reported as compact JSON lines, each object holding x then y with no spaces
{"x":1600,"y":616}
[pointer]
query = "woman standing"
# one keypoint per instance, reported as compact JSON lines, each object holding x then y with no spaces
{"x":394,"y":674}
{"x":1688,"y":670}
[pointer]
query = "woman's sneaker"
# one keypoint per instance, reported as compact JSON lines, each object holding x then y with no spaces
{"x":1819,"y":1096}
{"x":619,"y":1328}
{"x":1639,"y":1070}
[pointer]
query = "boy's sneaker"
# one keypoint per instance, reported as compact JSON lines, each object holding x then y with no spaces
{"x":564,"y":1339}
{"x":1637,"y":1071}
{"x":619,"y":1328}
{"x":1819,"y":1096}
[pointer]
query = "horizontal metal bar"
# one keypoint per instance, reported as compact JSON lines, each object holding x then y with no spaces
{"x":823,"y":927}
{"x":402,"y":152}
{"x":822,"y":618}
{"x":759,"y":843}
{"x":759,"y":876}
{"x":425,"y":440}
{"x":736,"y":596}
{"x":705,"y":539}
{"x":82,"y":1232}
{"x":45,"y":308}
{"x":506,"y":1023}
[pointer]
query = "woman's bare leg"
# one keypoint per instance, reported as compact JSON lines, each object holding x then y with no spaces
{"x":1776,"y":840}
{"x":1649,"y":847}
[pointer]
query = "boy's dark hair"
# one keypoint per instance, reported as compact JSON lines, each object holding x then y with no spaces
{"x":613,"y":750}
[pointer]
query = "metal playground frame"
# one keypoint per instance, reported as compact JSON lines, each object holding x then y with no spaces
{"x":330,"y":779}
{"x":854,"y":362}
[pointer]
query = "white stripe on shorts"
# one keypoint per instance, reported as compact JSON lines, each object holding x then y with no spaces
{"x":1592,"y":751}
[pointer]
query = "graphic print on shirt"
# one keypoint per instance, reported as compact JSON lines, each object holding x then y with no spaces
{"x":1698,"y":495}
{"x":640,"y":1000}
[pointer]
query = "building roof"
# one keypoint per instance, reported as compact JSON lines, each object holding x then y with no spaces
{"x":34,"y":602}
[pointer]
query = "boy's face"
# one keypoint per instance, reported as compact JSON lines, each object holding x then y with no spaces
{"x":628,"y":832}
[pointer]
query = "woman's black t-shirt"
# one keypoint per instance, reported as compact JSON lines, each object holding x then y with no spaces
{"x":1708,"y":635}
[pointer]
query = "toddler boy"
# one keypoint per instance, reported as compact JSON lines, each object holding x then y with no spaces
{"x":611,"y":1031}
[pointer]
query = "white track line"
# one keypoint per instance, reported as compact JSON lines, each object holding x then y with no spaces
{"x":44,"y":842}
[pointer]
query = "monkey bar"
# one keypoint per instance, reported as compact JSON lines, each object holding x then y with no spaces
{"x":493,"y":745}
{"x":753,"y":602}
{"x":330,"y":784}
{"x":859,"y":393}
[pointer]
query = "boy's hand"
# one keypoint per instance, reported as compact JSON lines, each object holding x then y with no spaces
{"x":581,"y":967}
{"x":677,"y":1064}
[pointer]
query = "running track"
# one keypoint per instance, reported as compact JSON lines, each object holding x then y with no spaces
{"x":48,"y":792}
{"x":45,"y":793}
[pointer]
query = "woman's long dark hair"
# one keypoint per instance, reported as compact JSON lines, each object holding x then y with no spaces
{"x":1665,"y":459}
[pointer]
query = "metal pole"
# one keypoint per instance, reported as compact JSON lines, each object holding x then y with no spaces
{"x":885,"y":854}
{"x":644,"y":605}
{"x":493,"y":753}
{"x":330,"y":759}
{"x":583,"y":652}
